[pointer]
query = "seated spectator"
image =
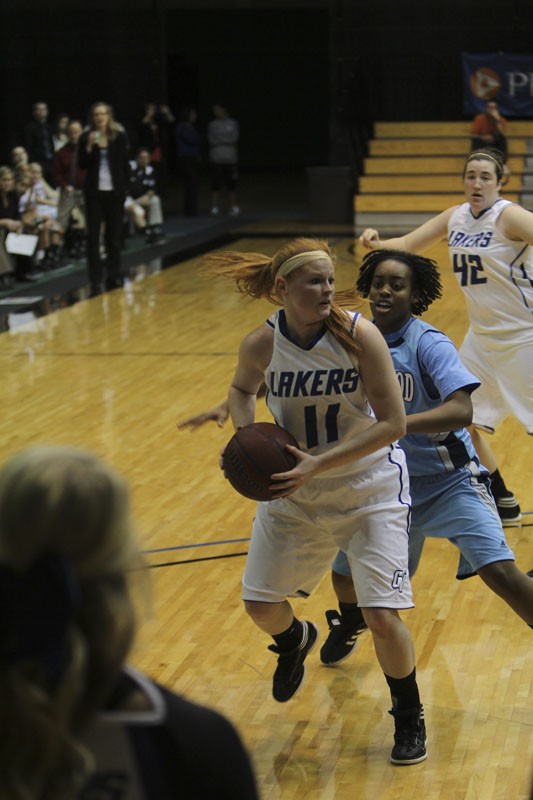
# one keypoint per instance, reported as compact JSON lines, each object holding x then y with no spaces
{"x":38,"y":138}
{"x":39,"y":194}
{"x":10,"y":222}
{"x":22,"y":179}
{"x":69,"y":178}
{"x":20,"y":163}
{"x":19,"y":155}
{"x":143,"y":204}
{"x":81,"y":722}
{"x":59,"y":131}
{"x":489,"y":129}
{"x":38,"y":210}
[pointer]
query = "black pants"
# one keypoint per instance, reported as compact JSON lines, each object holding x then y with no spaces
{"x":104,"y":208}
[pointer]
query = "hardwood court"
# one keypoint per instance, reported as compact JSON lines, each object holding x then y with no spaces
{"x":113,"y":374}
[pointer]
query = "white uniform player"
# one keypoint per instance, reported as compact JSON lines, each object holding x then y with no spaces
{"x":496,"y":276}
{"x":349,"y":486}
{"x":361,"y":507}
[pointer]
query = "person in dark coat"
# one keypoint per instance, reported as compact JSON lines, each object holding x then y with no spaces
{"x":38,"y":138}
{"x":103,"y":152}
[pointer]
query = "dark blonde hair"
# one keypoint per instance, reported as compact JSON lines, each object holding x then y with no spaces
{"x":255,"y":275}
{"x":7,"y":171}
{"x":491,"y":154}
{"x":64,"y":507}
{"x":22,"y":178}
{"x":113,"y":127}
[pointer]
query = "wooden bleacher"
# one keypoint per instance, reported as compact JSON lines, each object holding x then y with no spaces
{"x":414,"y":171}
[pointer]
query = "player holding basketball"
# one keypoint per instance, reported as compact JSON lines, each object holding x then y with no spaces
{"x":333,"y":386}
{"x":489,"y":241}
{"x":449,"y":487}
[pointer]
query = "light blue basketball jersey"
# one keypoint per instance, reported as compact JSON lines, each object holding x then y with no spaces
{"x":429,"y":370}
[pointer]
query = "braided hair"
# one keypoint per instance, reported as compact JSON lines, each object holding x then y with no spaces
{"x":424,"y":276}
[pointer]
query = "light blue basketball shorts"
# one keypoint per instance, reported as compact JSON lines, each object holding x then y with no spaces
{"x":457,"y":506}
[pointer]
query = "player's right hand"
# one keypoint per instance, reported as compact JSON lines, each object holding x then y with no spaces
{"x":285,"y":483}
{"x":370,"y":239}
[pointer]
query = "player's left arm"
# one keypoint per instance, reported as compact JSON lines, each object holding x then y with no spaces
{"x":455,"y":412}
{"x":516,"y":223}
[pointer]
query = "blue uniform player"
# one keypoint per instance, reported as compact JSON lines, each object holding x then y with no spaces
{"x":450,"y":491}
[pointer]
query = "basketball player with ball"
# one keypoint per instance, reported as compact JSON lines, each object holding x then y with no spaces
{"x":331,"y":384}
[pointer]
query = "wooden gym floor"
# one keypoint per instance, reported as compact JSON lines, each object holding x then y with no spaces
{"x":114,"y":374}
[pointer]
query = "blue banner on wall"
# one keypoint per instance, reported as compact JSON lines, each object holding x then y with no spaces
{"x":506,"y":77}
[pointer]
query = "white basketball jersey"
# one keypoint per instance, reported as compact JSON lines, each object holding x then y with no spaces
{"x":495,"y":273}
{"x":317,"y":393}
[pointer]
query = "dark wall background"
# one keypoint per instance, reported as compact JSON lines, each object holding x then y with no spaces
{"x":269,"y":66}
{"x":302,"y":78}
{"x":410,"y":52}
{"x":72,"y":57}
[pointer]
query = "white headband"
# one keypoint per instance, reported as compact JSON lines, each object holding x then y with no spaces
{"x":299,"y":260}
{"x":479,"y":156}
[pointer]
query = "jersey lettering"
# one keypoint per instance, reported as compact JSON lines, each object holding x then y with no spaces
{"x":313,"y":383}
{"x":460,"y":239}
{"x":301,"y":379}
{"x":407,"y":385}
{"x":318,"y":381}
{"x":286,"y":379}
{"x":398,"y":579}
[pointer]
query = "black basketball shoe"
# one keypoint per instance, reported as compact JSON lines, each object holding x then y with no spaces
{"x":409,"y":736}
{"x":341,"y":640}
{"x":290,"y":671}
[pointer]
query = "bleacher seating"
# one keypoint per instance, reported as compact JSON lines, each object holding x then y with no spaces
{"x":414,"y":171}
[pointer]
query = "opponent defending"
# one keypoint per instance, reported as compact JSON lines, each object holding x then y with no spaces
{"x":449,"y":487}
{"x":332,"y":384}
